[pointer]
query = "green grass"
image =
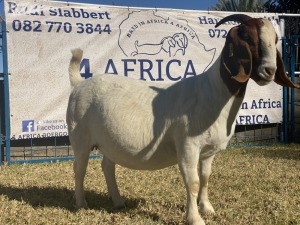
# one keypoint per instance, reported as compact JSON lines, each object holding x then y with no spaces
{"x":258,"y":185}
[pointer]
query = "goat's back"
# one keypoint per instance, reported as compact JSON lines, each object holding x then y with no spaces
{"x":116,"y":114}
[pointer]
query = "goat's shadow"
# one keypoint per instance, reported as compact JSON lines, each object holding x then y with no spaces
{"x":183,"y":99}
{"x":63,"y":198}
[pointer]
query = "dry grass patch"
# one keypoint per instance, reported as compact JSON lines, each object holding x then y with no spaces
{"x":248,"y":186}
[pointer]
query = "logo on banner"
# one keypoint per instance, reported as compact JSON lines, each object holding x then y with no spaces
{"x":160,"y":48}
{"x":27,"y":126}
{"x":148,"y":33}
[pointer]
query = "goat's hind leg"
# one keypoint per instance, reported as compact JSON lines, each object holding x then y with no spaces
{"x":204,"y":173}
{"x":79,"y":166}
{"x":109,"y":171}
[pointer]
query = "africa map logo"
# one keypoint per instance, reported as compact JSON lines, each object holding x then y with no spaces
{"x":147,"y":33}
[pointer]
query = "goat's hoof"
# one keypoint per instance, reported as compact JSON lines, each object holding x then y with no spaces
{"x":206,"y":207}
{"x":78,"y":207}
{"x":119,"y":207}
{"x":119,"y":203}
{"x":198,"y":221}
{"x":81,"y":205}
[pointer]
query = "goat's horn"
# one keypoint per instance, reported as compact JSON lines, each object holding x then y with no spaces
{"x":242,"y":18}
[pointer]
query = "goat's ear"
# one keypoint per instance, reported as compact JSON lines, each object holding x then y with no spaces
{"x":237,"y":56}
{"x":280,"y":76}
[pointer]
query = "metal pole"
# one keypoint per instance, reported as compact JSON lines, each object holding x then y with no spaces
{"x":293,"y":45}
{"x":1,"y":145}
{"x":1,"y":128}
{"x":6,"y":92}
{"x":285,"y":89}
{"x":1,"y":108}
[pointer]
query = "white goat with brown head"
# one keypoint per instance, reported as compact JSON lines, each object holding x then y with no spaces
{"x":148,"y":126}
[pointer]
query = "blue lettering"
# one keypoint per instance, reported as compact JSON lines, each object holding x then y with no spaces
{"x":12,"y":7}
{"x":266,"y":119}
{"x":52,"y":12}
{"x":187,"y":72}
{"x":85,"y":64}
{"x":252,"y":119}
{"x":168,"y":69}
{"x":126,"y":69}
{"x":248,"y":120}
{"x":202,"y":20}
{"x":111,"y":64}
{"x":147,"y":70}
{"x":34,"y":10}
{"x":37,"y":11}
{"x":159,"y":61}
{"x":258,"y":119}
{"x":76,"y":14}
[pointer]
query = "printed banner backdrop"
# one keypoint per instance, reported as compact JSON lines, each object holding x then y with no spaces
{"x":154,"y":45}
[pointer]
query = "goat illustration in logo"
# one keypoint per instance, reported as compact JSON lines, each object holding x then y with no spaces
{"x":170,"y":44}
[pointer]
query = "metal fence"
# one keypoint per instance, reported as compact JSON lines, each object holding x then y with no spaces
{"x":291,"y":97}
{"x":58,"y":148}
{"x":43,"y":150}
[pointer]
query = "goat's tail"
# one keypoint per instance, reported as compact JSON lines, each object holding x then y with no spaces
{"x":74,"y":67}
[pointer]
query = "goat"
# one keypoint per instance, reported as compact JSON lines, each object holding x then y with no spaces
{"x":171,"y":45}
{"x":148,"y":126}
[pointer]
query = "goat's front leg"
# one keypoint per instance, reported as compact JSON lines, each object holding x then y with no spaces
{"x":109,"y":170}
{"x":204,"y":173}
{"x":188,"y":163}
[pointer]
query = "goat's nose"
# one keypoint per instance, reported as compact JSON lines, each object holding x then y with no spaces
{"x":270,"y":70}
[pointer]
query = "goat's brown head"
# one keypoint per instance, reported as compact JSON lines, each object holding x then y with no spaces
{"x":250,"y":51}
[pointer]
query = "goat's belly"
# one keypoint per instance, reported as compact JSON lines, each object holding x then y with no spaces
{"x":145,"y":159}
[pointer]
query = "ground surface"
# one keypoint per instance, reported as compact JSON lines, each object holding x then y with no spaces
{"x":258,"y":185}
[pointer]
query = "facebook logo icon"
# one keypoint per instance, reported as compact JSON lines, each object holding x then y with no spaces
{"x":27,"y":125}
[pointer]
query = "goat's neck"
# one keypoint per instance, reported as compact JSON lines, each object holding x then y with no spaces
{"x":224,"y":94}
{"x":206,"y":94}
{"x":220,"y":80}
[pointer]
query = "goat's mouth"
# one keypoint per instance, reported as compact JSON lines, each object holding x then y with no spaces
{"x":263,"y":79}
{"x":265,"y":75}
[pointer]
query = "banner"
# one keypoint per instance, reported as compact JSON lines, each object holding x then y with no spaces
{"x":153,"y":45}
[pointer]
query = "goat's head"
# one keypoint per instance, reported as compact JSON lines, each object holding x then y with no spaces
{"x":250,"y":51}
